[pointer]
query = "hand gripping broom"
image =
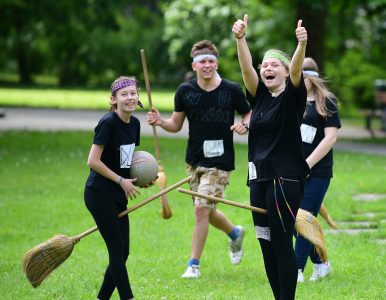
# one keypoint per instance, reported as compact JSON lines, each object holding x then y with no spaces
{"x":306,"y":224}
{"x":41,"y":260}
{"x":162,"y":178}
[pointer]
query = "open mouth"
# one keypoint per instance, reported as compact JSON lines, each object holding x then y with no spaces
{"x":270,"y":77}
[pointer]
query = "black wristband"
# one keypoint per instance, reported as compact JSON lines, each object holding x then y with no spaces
{"x":240,"y":36}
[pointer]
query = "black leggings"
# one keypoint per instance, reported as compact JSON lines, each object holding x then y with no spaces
{"x":275,"y":232}
{"x":115,"y":232}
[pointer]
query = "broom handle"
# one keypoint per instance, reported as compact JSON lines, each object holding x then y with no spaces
{"x":147,"y":83}
{"x":221,"y":200}
{"x":142,"y":203}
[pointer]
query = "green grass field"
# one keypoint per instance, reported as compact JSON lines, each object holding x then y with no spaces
{"x":76,"y":98}
{"x":41,"y":194}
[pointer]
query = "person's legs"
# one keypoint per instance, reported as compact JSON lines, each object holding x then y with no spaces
{"x":210,"y":182}
{"x":283,"y":198}
{"x":314,"y":191}
{"x":115,"y":233}
{"x":258,"y":193}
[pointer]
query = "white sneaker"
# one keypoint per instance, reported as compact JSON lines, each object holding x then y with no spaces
{"x":315,"y":273}
{"x":236,"y":252}
{"x":324,"y":269}
{"x":300,"y":276}
{"x":192,"y":272}
{"x":320,"y":271}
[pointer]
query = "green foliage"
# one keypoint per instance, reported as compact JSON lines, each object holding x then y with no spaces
{"x":41,"y":194}
{"x":352,"y":79}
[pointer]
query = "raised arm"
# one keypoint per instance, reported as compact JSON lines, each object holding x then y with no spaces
{"x":173,"y":124}
{"x":298,"y":57}
{"x":250,"y":77}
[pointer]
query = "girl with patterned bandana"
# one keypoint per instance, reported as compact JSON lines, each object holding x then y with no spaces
{"x":108,"y":185}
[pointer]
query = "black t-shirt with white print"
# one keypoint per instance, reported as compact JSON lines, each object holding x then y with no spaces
{"x":210,"y":116}
{"x":119,"y":140}
{"x":275,"y":144}
{"x":313,"y":133}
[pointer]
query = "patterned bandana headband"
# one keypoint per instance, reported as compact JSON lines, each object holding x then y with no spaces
{"x":122,"y":84}
{"x":311,"y":73}
{"x":277,"y":55}
{"x":204,"y":56}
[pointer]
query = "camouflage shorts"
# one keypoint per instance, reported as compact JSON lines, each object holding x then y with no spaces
{"x":209,"y":181}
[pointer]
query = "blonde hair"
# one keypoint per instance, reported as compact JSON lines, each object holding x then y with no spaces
{"x":113,"y":106}
{"x":319,"y":87}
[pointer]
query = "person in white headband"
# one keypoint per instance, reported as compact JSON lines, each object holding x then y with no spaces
{"x":319,"y":130}
{"x":209,"y":102}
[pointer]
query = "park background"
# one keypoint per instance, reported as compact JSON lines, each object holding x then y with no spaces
{"x":64,"y":54}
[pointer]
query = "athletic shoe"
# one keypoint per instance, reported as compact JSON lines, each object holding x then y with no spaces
{"x":192,"y":272}
{"x":236,"y":252}
{"x":324,"y":269}
{"x":320,"y":271}
{"x":300,"y":276}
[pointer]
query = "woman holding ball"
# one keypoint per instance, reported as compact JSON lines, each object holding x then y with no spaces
{"x":108,"y":185}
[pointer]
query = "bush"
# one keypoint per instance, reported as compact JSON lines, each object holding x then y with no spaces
{"x":352,"y":80}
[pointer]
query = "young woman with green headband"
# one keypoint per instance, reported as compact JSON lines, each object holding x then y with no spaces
{"x":277,"y":167}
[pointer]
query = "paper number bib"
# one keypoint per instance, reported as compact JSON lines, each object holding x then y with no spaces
{"x":308,"y":133}
{"x":213,"y":148}
{"x":126,"y":154}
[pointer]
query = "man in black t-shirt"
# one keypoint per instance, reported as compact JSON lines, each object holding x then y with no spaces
{"x":209,"y":103}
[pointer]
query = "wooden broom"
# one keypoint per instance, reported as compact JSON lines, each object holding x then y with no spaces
{"x":306,"y":224}
{"x":44,"y":258}
{"x":162,"y":178}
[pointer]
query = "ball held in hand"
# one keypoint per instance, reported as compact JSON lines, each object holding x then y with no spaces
{"x":144,"y":167}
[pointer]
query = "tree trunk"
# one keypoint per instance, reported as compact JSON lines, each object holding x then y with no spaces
{"x":22,"y":56}
{"x":313,"y":14}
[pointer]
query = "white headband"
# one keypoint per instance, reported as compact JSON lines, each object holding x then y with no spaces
{"x":204,"y":56}
{"x":311,"y":73}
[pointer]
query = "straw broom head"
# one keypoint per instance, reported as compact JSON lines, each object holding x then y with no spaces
{"x":42,"y":259}
{"x":308,"y":226}
{"x":326,"y":216}
{"x":166,"y":212}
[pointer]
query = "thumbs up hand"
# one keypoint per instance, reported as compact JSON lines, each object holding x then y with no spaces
{"x":240,"y":26}
{"x":301,"y":33}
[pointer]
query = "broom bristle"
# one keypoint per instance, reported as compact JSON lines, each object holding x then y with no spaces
{"x":308,"y":226}
{"x":42,"y":259}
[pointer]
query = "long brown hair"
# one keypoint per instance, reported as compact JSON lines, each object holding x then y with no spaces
{"x":319,"y":87}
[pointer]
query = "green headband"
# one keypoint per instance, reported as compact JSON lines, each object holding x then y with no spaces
{"x":277,"y":55}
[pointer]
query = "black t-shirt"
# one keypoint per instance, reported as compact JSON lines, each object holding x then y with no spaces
{"x":210,"y":116}
{"x":275,"y":144}
{"x":119,"y":140}
{"x":312,"y":118}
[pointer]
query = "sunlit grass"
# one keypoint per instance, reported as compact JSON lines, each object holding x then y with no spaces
{"x":41,"y":194}
{"x":75,"y":98}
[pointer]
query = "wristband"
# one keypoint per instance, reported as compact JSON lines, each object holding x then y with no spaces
{"x":240,"y":36}
{"x":120,"y":180}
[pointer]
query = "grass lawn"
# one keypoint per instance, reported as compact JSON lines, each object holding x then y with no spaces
{"x":41,"y":194}
{"x":75,"y":98}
